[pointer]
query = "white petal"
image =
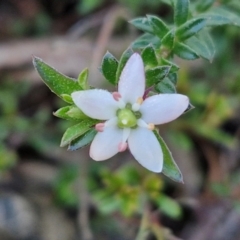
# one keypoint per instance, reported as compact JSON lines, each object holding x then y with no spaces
{"x":105,"y":144}
{"x":163,"y":108}
{"x":146,"y":149}
{"x":131,"y":85}
{"x":96,"y":103}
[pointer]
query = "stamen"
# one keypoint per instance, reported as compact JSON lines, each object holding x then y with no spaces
{"x":122,"y":146}
{"x":140,"y":100}
{"x":100,"y":127}
{"x":135,"y":107}
{"x":151,"y":126}
{"x":116,"y":96}
{"x":141,"y":123}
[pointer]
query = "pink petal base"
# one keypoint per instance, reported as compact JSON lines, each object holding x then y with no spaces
{"x":100,"y":127}
{"x":116,"y":96}
{"x":122,"y":146}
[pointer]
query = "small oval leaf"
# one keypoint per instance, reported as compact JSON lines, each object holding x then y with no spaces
{"x":83,"y":79}
{"x":190,"y":28}
{"x":70,"y":113}
{"x":155,"y":75}
{"x":83,"y":140}
{"x":184,"y":51}
{"x":149,"y":56}
{"x":165,"y":86}
{"x":160,"y":29}
{"x":181,"y":8}
{"x":170,"y":168}
{"x":77,"y":130}
{"x":142,"y":24}
{"x":56,"y":81}
{"x":109,"y":67}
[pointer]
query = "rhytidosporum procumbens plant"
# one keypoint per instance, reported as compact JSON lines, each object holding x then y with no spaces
{"x":146,"y":78}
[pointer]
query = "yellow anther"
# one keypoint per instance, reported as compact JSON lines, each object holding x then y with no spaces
{"x":140,"y":100}
{"x":151,"y":126}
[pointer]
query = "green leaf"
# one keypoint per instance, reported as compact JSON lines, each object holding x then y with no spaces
{"x":184,"y":51}
{"x":168,"y":39}
{"x":169,"y":2}
{"x":204,"y":5}
{"x":67,"y":98}
{"x":165,"y":86}
{"x":146,"y":39}
{"x":160,"y":29}
{"x":77,"y":130}
{"x":173,"y":78}
{"x":124,"y":58}
{"x":109,"y":67}
{"x":170,"y":207}
{"x":142,"y":24}
{"x":203,"y":47}
{"x":220,"y":16}
{"x":155,"y":75}
{"x":170,"y":168}
{"x":83,"y":140}
{"x":174,"y":67}
{"x":70,"y":113}
{"x":149,"y":56}
{"x":181,"y":8}
{"x":83,"y":79}
{"x":190,"y":28}
{"x":57,"y":82}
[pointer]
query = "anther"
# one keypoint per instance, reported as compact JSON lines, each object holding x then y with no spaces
{"x":151,"y":126}
{"x":116,"y":96}
{"x":140,"y":100}
{"x":100,"y":127}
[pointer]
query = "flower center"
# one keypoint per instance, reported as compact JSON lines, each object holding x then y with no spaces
{"x":126,"y":118}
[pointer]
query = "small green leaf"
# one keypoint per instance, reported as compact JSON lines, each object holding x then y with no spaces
{"x":170,"y":207}
{"x":204,"y":5}
{"x":70,"y":113}
{"x":142,"y":24}
{"x":170,"y":168}
{"x":160,"y":29}
{"x":149,"y":56}
{"x":168,"y":39}
{"x":203,"y":47}
{"x":165,"y":86}
{"x":125,"y":56}
{"x":67,"y":98}
{"x":83,"y":140}
{"x":220,"y":16}
{"x":184,"y":51}
{"x":174,"y":67}
{"x":146,"y":39}
{"x":76,"y":131}
{"x":181,"y":8}
{"x":172,"y":76}
{"x":190,"y":28}
{"x":57,"y":82}
{"x":155,"y":75}
{"x":109,"y":67}
{"x":83,"y":79}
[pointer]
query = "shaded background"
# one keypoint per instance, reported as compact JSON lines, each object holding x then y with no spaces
{"x":48,"y":193}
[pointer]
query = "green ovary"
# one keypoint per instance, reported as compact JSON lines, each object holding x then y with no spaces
{"x":126,"y":118}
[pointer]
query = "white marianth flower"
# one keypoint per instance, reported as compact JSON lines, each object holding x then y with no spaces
{"x":129,"y":120}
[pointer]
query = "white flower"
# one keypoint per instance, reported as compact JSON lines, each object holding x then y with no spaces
{"x":129,"y":120}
